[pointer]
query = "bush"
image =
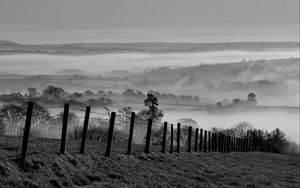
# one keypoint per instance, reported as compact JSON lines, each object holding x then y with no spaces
{"x":157,"y":136}
{"x":12,"y":117}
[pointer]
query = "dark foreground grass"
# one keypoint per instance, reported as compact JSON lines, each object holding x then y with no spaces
{"x":45,"y":168}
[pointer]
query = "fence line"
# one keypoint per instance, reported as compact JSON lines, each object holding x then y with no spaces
{"x":208,"y":142}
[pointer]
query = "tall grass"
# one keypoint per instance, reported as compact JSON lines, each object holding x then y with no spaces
{"x":98,"y":133}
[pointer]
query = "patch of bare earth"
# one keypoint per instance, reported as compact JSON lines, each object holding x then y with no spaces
{"x":44,"y":167}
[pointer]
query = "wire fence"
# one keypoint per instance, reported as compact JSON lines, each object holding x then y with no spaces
{"x":202,"y":140}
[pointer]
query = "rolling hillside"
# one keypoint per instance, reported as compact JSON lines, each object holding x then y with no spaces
{"x":46,"y":168}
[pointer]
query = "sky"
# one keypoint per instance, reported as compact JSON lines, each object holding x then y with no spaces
{"x":42,"y":16}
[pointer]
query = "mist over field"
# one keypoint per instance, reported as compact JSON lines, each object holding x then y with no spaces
{"x":272,"y":74}
{"x":149,"y":93}
{"x":99,"y":64}
{"x":214,"y":72}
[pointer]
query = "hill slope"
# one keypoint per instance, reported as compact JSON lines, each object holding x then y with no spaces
{"x":45,"y":168}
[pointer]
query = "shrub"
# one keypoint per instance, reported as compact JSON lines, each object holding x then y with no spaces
{"x":157,"y":136}
{"x":12,"y":117}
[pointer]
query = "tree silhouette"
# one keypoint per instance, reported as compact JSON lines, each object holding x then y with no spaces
{"x":241,"y":129}
{"x":152,"y":112}
{"x":252,"y":99}
{"x":151,"y":102}
{"x":32,"y":92}
{"x":52,"y":92}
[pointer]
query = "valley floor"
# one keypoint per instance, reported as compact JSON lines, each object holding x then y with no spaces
{"x":44,"y":167}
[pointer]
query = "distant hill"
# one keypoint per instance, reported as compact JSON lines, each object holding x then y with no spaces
{"x":8,"y":47}
{"x":72,"y":72}
{"x":269,"y":79}
{"x":5,"y":42}
{"x":273,"y":70}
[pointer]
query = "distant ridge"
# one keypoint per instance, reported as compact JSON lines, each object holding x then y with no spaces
{"x":72,"y":72}
{"x":9,"y":47}
{"x":6,"y":42}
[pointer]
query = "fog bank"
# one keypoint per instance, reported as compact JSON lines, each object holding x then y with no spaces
{"x":98,"y":64}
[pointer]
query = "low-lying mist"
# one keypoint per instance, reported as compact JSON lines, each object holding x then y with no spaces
{"x":98,"y":64}
{"x":285,"y":119}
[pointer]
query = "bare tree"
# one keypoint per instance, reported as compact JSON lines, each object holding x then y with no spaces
{"x":241,"y":128}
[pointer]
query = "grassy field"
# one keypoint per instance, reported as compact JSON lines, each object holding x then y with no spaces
{"x":46,"y":168}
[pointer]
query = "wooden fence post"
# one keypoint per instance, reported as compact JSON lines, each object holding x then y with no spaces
{"x":248,"y":145}
{"x":205,"y":141}
{"x":258,"y":145}
{"x":212,"y":142}
{"x":209,"y":142}
{"x":229,"y":144}
{"x":178,"y":137}
{"x":224,"y":143}
{"x":196,"y":140}
{"x":26,"y":130}
{"x":220,"y":143}
{"x":241,"y":144}
{"x":201,"y":140}
{"x":215,"y":142}
{"x":163,"y":149}
{"x":238,"y":144}
{"x":85,"y":129}
{"x":130,"y":133}
{"x":265,"y":147}
{"x":64,"y":129}
{"x":172,"y":137}
{"x":148,"y":136}
{"x":110,"y":133}
{"x":251,"y":144}
{"x":254,"y":144}
{"x":244,"y":144}
{"x":190,"y":139}
{"x":235,"y":144}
